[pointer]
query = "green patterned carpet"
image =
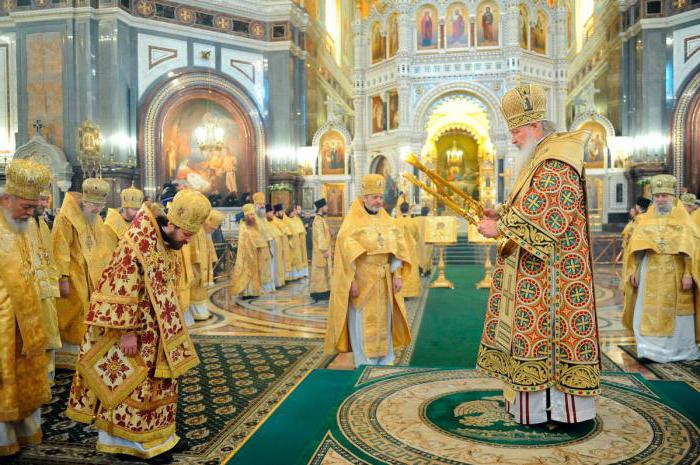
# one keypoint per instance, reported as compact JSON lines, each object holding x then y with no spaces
{"x":221,"y":401}
{"x":688,"y":372}
{"x":423,"y":416}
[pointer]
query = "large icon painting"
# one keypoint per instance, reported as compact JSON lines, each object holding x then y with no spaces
{"x":393,"y":110}
{"x":457,"y":16}
{"x":597,"y":148}
{"x":523,"y":27}
{"x":427,"y":28}
{"x":381,"y":165}
{"x":334,"y":194}
{"x":487,"y":24}
{"x":208,"y":168}
{"x":332,"y":153}
{"x":378,"y":115}
{"x":538,"y":35}
{"x":378,"y":44}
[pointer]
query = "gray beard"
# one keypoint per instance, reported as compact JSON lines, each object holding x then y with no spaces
{"x":662,"y":209}
{"x":90,"y":217}
{"x":524,"y":155}
{"x":373,"y":209}
{"x":18,"y":226}
{"x":261,"y":213}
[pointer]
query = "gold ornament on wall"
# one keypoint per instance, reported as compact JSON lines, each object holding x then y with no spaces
{"x":90,"y":149}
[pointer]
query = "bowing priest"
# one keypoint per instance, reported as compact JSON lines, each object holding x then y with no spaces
{"x":24,"y":384}
{"x":137,"y":346}
{"x":81,"y":250}
{"x":321,"y":260}
{"x":251,"y":273}
{"x":367,"y":315}
{"x":117,"y":221}
{"x":540,"y":332}
{"x":411,"y":232}
{"x":39,"y":236}
{"x":203,"y":259}
{"x":280,"y":247}
{"x":663,"y":276}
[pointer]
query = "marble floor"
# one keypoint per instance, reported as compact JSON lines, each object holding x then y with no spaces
{"x":290,"y":312}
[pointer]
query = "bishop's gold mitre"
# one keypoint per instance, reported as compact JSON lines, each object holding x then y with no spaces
{"x":663,"y":184}
{"x":524,"y":105}
{"x":373,"y":184}
{"x":26,"y":179}
{"x":215,"y":219}
{"x":248,"y":209}
{"x":131,"y":197}
{"x":95,"y":191}
{"x":258,"y":198}
{"x":688,"y":199}
{"x":188,"y":210}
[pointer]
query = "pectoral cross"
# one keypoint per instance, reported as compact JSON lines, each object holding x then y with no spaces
{"x":380,"y":239}
{"x":37,"y":127}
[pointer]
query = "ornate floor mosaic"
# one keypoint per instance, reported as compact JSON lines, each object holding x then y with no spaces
{"x":679,"y":371}
{"x":237,"y":385}
{"x":450,"y":417}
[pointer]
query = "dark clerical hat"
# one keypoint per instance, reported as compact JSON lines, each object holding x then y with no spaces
{"x":643,"y":202}
{"x":320,"y":203}
{"x":279,"y":207}
{"x":268,"y":207}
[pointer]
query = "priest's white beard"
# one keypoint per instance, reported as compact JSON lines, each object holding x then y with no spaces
{"x":18,"y":226}
{"x":524,"y":154}
{"x":90,"y":217}
{"x":662,"y":208}
{"x":372,"y":209}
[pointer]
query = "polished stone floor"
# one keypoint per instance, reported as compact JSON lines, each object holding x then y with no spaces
{"x":290,"y":312}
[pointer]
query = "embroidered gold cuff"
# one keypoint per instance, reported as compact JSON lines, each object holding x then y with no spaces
{"x":526,"y":234}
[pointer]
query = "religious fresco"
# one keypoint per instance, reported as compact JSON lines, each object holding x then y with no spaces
{"x":378,"y":44}
{"x":332,"y":153}
{"x":45,"y":85}
{"x":381,"y":165}
{"x":216,"y":170}
{"x":393,"y":110}
{"x":427,"y":28}
{"x":523,"y":27}
{"x":457,"y":16}
{"x":569,"y":26}
{"x":538,"y":34}
{"x":334,"y":193}
{"x":378,"y":115}
{"x":597,"y":148}
{"x":393,"y":35}
{"x":487,"y":24}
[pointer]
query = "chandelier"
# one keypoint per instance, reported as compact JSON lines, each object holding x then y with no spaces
{"x":210,"y":137}
{"x":454,"y":155}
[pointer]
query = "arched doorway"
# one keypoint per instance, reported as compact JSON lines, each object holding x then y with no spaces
{"x":174,"y":111}
{"x":686,"y":135}
{"x":458,"y":145}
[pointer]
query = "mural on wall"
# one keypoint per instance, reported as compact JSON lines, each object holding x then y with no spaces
{"x":378,"y":115}
{"x":217,"y":170}
{"x":523,"y":26}
{"x":332,"y":153}
{"x":487,"y":24}
{"x":538,"y":34}
{"x":457,"y":15}
{"x":382,"y":166}
{"x":45,"y":85}
{"x":597,"y":148}
{"x":334,"y":194}
{"x":427,"y":27}
{"x":569,"y":26}
{"x":393,"y":35}
{"x":393,"y":109}
{"x":378,"y":44}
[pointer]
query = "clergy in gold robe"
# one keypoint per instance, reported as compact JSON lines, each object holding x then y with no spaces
{"x":690,"y":202}
{"x":24,"y":385}
{"x":540,"y":331}
{"x":321,"y":260}
{"x":663,"y":276}
{"x":411,"y":232}
{"x":137,"y":346}
{"x":39,"y":236}
{"x":367,"y":315}
{"x":251,"y":274}
{"x":300,"y":229}
{"x":294,"y":253}
{"x":426,"y":252}
{"x":203,"y":259}
{"x":640,"y":209}
{"x":81,"y":251}
{"x":117,"y":221}
{"x":266,"y":229}
{"x":280,"y":240}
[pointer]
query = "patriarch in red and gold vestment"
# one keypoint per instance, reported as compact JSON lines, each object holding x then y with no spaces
{"x":137,"y":346}
{"x":540,"y":333}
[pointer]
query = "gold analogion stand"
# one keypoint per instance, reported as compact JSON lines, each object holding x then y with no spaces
{"x":441,"y":280}
{"x":441,"y":231}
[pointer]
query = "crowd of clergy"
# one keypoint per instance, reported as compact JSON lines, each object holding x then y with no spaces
{"x":111,"y":297}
